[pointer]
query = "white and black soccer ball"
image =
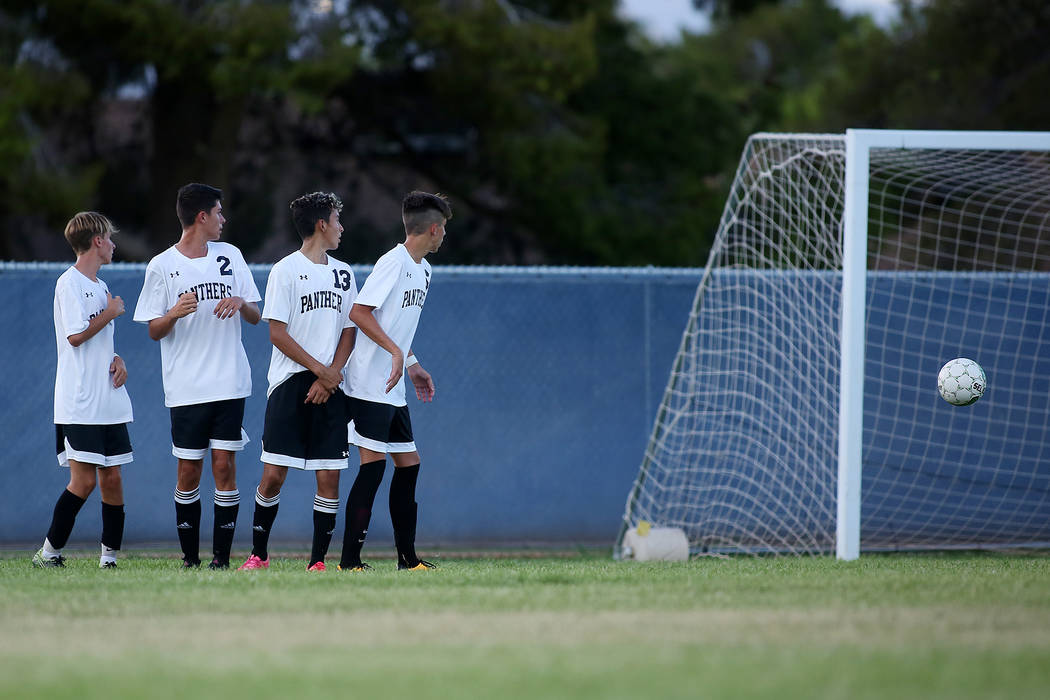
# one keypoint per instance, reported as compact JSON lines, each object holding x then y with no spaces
{"x":961,"y":381}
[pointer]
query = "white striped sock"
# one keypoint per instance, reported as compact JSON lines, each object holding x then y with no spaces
{"x":188,"y":497}
{"x":227,"y":498}
{"x":326,"y":505}
{"x":267,"y":502}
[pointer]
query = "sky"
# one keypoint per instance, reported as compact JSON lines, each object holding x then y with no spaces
{"x":664,"y":18}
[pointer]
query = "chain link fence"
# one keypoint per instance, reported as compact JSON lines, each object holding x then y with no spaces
{"x":547,"y":380}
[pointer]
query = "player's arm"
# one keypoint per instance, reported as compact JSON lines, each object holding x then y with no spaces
{"x":250,"y":312}
{"x":230,"y":306}
{"x":114,"y":308}
{"x":283,"y":341}
{"x":118,"y":371}
{"x":317,"y":393}
{"x":363,"y":318}
{"x":421,"y":379}
{"x":161,"y":327}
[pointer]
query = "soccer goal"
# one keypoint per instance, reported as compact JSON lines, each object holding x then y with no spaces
{"x":802,"y":414}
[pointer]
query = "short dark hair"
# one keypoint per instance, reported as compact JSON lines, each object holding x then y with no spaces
{"x":311,"y":208}
{"x":84,"y":226}
{"x":194,"y":198}
{"x":421,"y":209}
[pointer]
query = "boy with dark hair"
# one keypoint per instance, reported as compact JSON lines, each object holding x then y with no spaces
{"x":387,"y":313}
{"x":193,"y":297}
{"x":308,"y":299}
{"x":92,"y":407}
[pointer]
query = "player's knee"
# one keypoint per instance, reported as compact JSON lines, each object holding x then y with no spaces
{"x":81,"y":485}
{"x":270,"y":484}
{"x":224,"y":470}
{"x":328,"y":483}
{"x":110,"y":483}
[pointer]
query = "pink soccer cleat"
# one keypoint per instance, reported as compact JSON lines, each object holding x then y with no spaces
{"x":253,"y":562}
{"x":316,"y":566}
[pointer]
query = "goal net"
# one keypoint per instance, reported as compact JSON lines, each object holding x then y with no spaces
{"x":802,"y":414}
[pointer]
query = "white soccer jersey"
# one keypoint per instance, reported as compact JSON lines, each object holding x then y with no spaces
{"x":314,"y":301}
{"x":397,"y":288}
{"x":203,"y":358}
{"x":84,"y":393}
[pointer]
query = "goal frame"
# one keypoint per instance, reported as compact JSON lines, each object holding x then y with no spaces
{"x":859,"y":144}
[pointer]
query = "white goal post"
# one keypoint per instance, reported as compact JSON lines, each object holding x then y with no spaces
{"x":845,"y":271}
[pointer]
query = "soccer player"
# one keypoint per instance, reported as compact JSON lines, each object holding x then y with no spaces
{"x":387,"y":313}
{"x":193,"y":299}
{"x":92,"y":407}
{"x":308,"y":299}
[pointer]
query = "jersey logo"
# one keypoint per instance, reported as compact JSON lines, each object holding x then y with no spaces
{"x":173,"y":275}
{"x":413,"y":297}
{"x":304,"y":277}
{"x":89,"y":294}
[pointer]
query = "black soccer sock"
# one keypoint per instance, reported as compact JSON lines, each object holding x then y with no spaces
{"x":227,"y":505}
{"x":188,"y":523}
{"x":65,"y":514}
{"x":112,"y":525}
{"x":262,"y":523}
{"x":325,"y":510}
{"x":359,"y":511}
{"x":403,"y":513}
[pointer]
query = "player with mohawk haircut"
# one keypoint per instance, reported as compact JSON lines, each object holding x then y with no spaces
{"x":387,"y":313}
{"x":308,"y":300}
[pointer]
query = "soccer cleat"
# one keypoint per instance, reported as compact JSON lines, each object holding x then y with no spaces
{"x":316,"y":566}
{"x":42,"y":562}
{"x":217,"y":564}
{"x":423,"y":565}
{"x":107,"y":565}
{"x":191,"y":564}
{"x":253,"y":562}
{"x":359,"y":567}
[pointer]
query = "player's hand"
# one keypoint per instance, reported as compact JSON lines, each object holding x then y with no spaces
{"x":317,"y":393}
{"x":422,"y":381}
{"x":329,"y":378}
{"x":228,"y":307}
{"x":397,"y":368}
{"x":114,"y":305}
{"x":118,"y":371}
{"x":185,"y":306}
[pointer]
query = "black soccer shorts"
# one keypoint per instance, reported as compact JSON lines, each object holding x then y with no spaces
{"x":101,"y":445}
{"x":215,"y":425}
{"x":304,"y":435}
{"x":380,"y":427}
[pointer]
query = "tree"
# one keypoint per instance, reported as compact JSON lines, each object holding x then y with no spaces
{"x":947,"y":64}
{"x":198,"y":64}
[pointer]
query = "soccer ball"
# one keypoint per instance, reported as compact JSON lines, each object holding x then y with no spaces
{"x":961,"y":381}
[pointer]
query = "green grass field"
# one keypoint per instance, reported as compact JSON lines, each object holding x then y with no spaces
{"x":961,"y":625}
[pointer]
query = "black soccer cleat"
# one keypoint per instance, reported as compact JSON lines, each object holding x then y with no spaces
{"x":191,"y":563}
{"x":42,"y":562}
{"x":218,"y":565}
{"x":422,"y":565}
{"x":107,"y":565}
{"x":360,"y":566}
